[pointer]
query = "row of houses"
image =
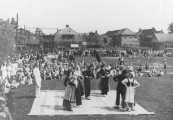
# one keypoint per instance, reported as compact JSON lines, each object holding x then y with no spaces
{"x":125,"y":38}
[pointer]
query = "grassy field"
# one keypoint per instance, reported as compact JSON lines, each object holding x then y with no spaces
{"x":154,"y":94}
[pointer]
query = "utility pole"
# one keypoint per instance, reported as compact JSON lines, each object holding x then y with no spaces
{"x":24,"y":37}
{"x":17,"y":32}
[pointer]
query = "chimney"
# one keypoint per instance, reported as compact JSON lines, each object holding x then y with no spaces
{"x":67,"y":25}
{"x":57,"y":29}
{"x":96,"y":31}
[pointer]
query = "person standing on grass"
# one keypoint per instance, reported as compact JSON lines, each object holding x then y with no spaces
{"x":98,"y":57}
{"x":121,"y":89}
{"x":37,"y":76}
{"x":165,"y":65}
{"x":88,"y":76}
{"x":121,"y":60}
{"x":130,"y":84}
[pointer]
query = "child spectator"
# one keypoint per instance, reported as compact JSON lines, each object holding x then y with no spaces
{"x":4,"y":111}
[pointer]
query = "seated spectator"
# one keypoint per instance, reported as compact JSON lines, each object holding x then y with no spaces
{"x":130,"y":67}
{"x":154,"y":71}
{"x":160,"y":74}
{"x":147,"y":71}
{"x":4,"y":111}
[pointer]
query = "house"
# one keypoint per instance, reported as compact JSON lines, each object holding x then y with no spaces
{"x":146,"y":36}
{"x":123,"y":38}
{"x":67,"y":38}
{"x":48,"y":42}
{"x":33,"y":43}
{"x":162,"y":41}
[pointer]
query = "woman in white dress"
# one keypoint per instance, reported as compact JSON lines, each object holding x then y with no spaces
{"x":37,"y":76}
{"x":130,"y":84}
{"x":4,"y":71}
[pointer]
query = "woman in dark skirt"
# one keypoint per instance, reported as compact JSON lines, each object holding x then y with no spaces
{"x":69,"y":101}
{"x":79,"y":88}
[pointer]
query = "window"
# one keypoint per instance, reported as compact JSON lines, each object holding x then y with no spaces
{"x":168,"y":45}
{"x":105,"y":40}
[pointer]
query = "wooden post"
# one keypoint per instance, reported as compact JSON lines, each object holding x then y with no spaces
{"x":17,"y":32}
{"x":24,"y":38}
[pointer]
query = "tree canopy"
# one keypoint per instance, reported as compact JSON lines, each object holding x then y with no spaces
{"x":7,"y":37}
{"x":170,"y":28}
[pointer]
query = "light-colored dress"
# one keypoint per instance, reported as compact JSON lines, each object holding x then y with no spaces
{"x":4,"y":72}
{"x":37,"y":75}
{"x":130,"y":91}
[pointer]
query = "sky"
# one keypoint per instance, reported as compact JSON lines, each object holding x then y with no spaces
{"x":85,"y":16}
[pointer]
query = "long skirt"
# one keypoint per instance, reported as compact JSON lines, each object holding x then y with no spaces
{"x":69,"y":101}
{"x":79,"y":92}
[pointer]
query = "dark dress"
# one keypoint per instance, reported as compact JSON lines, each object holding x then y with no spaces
{"x":79,"y":92}
{"x":69,"y":101}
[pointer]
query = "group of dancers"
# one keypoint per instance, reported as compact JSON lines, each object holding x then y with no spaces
{"x":121,"y":74}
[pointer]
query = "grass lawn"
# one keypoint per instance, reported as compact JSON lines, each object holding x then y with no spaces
{"x":154,"y":94}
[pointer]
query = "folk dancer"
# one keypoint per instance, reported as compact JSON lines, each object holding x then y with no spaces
{"x":79,"y":89}
{"x":88,"y":76}
{"x":120,"y":89}
{"x":130,"y":84}
{"x":69,"y":101}
{"x":104,"y":81}
{"x":36,"y":73}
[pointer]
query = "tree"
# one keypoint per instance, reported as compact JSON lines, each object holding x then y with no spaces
{"x":7,"y":38}
{"x":170,"y":28}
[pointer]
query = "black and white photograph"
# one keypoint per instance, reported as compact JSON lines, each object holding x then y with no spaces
{"x":86,"y":59}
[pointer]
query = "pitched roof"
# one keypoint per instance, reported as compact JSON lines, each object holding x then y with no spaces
{"x":149,"y":32}
{"x":124,"y":31}
{"x":161,"y":37}
{"x":67,"y":31}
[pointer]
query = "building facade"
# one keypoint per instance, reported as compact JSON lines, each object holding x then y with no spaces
{"x":162,"y":41}
{"x":48,"y":42}
{"x":67,"y":38}
{"x":123,"y":38}
{"x":146,"y":36}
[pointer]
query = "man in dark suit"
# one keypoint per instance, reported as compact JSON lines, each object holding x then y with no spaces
{"x":121,"y":89}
